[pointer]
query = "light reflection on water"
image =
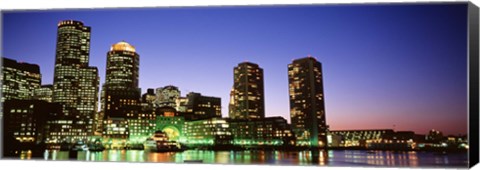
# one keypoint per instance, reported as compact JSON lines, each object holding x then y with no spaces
{"x":331,"y":157}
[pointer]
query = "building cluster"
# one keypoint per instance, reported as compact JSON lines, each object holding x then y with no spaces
{"x":388,"y":139}
{"x":68,"y":111}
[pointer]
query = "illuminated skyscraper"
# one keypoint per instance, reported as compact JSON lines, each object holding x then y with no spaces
{"x":75,"y":83}
{"x":120,"y":93}
{"x":248,"y":93}
{"x":307,"y":105}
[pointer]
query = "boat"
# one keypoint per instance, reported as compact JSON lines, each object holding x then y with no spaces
{"x":96,"y":147}
{"x":80,"y":146}
{"x":159,"y":143}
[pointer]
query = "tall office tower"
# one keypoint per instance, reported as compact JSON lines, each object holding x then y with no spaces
{"x":19,"y":80}
{"x":307,"y":105}
{"x":45,"y":93}
{"x":120,"y":93}
{"x":249,"y":100}
{"x":167,"y":96}
{"x":75,"y":83}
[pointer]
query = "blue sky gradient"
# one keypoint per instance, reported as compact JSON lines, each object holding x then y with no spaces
{"x":383,"y":65}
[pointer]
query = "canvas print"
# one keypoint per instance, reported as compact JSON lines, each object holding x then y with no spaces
{"x":376,"y":85}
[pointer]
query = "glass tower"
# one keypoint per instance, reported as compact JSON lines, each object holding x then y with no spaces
{"x":248,"y":92}
{"x":75,"y":83}
{"x":307,"y":105}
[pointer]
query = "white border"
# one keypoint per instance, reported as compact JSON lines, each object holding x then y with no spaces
{"x":10,"y":5}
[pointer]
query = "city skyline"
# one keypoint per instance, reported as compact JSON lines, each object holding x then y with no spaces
{"x":276,"y":85}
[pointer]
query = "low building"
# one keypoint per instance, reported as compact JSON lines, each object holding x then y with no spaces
{"x":26,"y":123}
{"x":360,"y":138}
{"x":170,"y":123}
{"x":270,"y":131}
{"x":207,"y":132}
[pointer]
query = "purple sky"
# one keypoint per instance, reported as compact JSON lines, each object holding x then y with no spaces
{"x":402,"y":65}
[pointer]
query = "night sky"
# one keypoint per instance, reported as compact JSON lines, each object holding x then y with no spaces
{"x":402,"y":66}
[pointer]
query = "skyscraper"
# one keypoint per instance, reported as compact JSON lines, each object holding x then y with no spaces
{"x":75,"y":83}
{"x":248,"y":92}
{"x":121,"y":95}
{"x":307,"y":105}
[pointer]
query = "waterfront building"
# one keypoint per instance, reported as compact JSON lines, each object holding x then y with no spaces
{"x":401,"y":140}
{"x":25,"y":124}
{"x":75,"y":83}
{"x":248,"y":92}
{"x":120,"y":93}
{"x":19,"y":80}
{"x":269,"y":131}
{"x":434,"y":136}
{"x":142,"y":126}
{"x":207,"y":132}
{"x":359,"y":138}
{"x":45,"y":92}
{"x":197,"y":107}
{"x":167,"y":96}
{"x":169,"y":122}
{"x":307,"y":102}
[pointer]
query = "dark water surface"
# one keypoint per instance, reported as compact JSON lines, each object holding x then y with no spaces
{"x":330,"y":157}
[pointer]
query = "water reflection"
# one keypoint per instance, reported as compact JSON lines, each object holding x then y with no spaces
{"x":313,"y":157}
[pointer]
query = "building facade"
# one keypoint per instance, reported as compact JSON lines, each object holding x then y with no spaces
{"x":207,"y":132}
{"x":197,"y":107}
{"x":120,"y":93}
{"x":307,"y":105}
{"x":248,"y":92}
{"x":75,"y":83}
{"x":360,"y":138}
{"x":270,"y":131}
{"x":19,"y":80}
{"x":45,"y":93}
{"x":26,"y":124}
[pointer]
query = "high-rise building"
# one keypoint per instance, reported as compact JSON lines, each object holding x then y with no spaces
{"x":45,"y":93}
{"x":19,"y":80}
{"x":167,"y":96}
{"x":248,"y":92}
{"x":307,"y":105}
{"x":120,"y":93}
{"x":75,"y":83}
